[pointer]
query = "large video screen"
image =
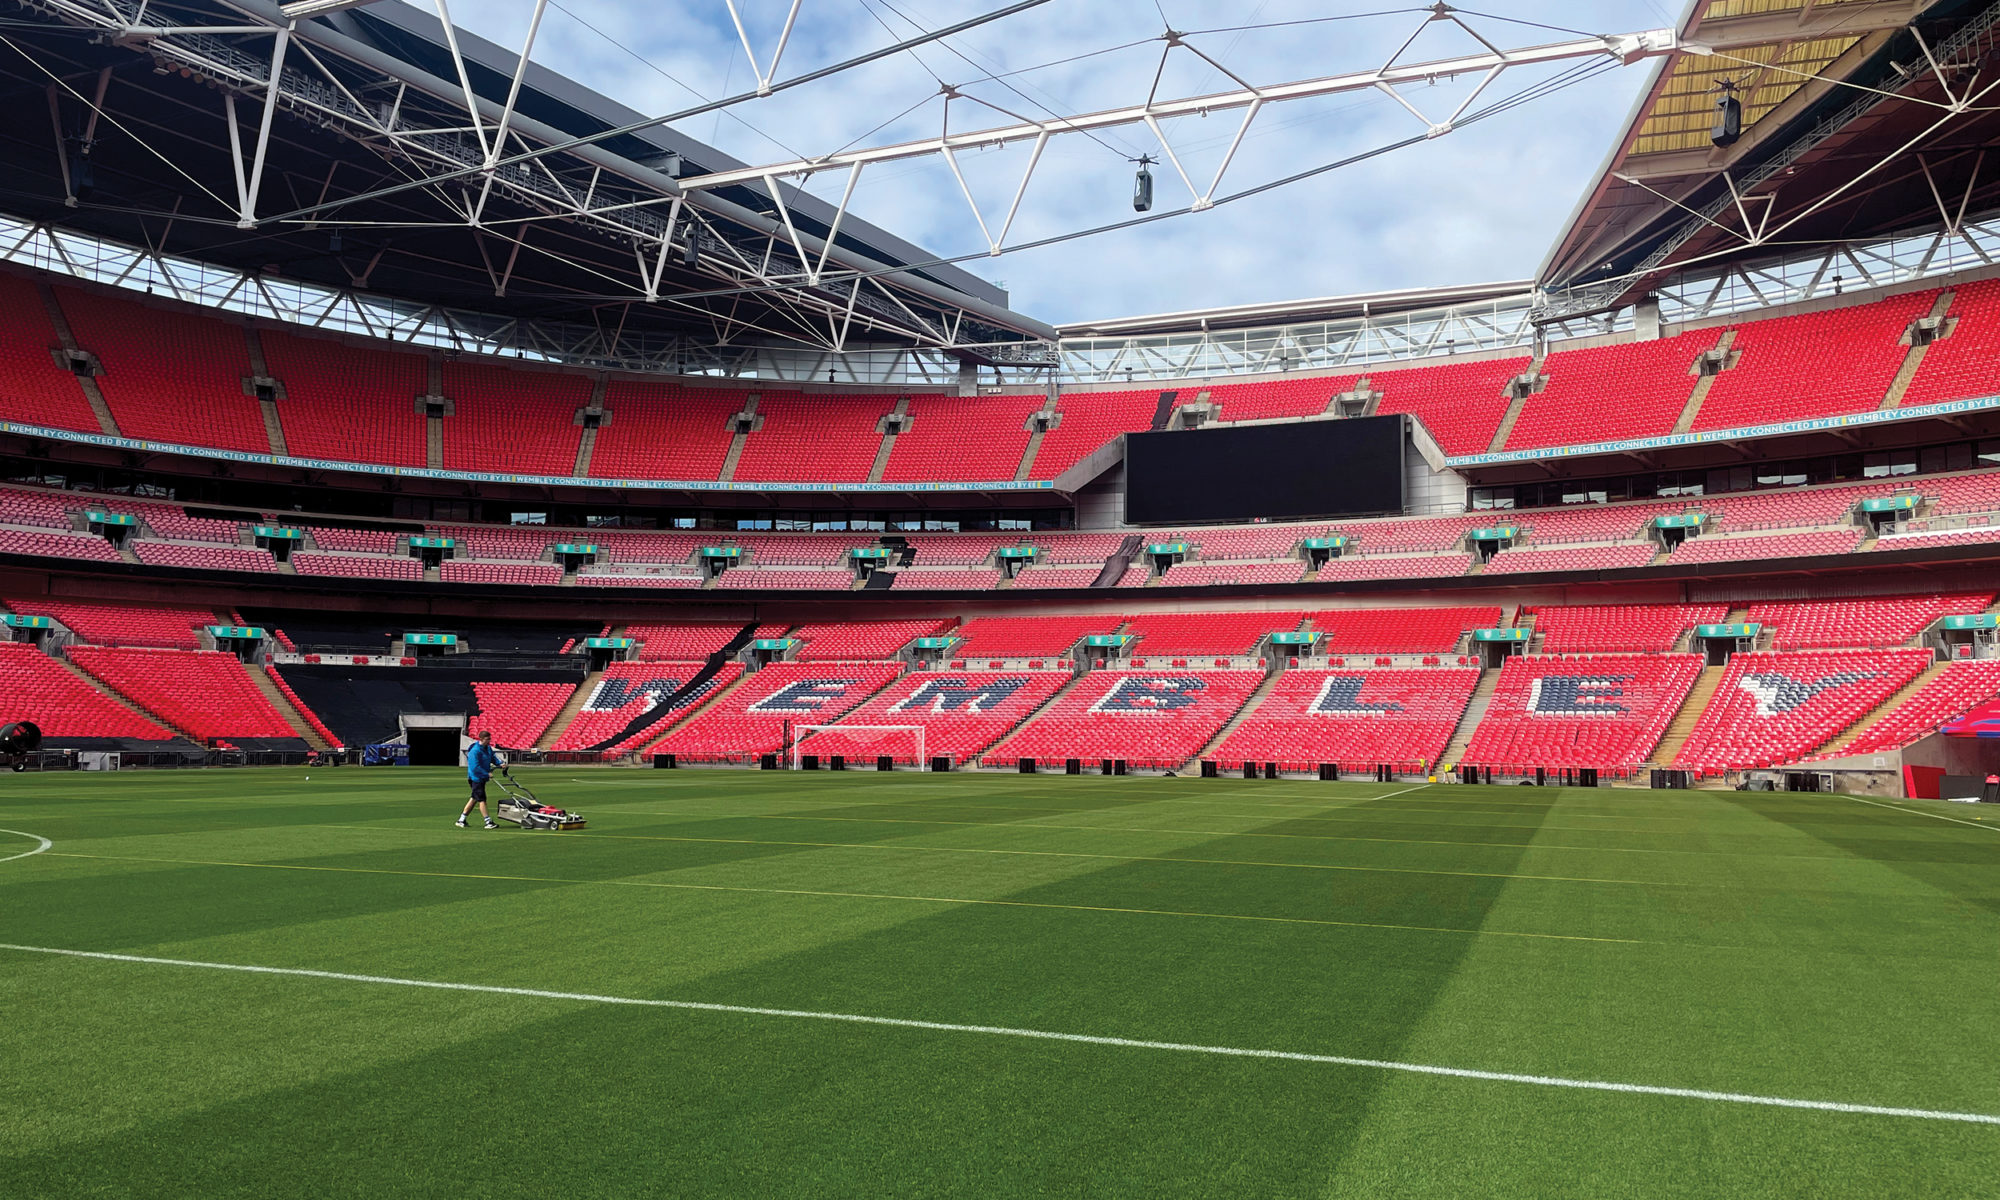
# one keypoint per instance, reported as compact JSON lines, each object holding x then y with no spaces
{"x":1303,"y":469}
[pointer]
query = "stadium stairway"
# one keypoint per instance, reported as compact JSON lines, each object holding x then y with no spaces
{"x":881,"y":464}
{"x":1035,"y":715}
{"x":274,"y":428}
{"x":1034,"y":446}
{"x":1689,"y":715}
{"x":569,"y":711}
{"x":1914,"y":360}
{"x":1475,"y":710}
{"x":119,"y":697}
{"x":1515,"y":406}
{"x":1903,"y":696}
{"x":587,"y":444}
{"x":738,"y":440}
{"x":1702,"y":386}
{"x":106,"y":423}
{"x":301,"y":727}
{"x":1250,"y":705}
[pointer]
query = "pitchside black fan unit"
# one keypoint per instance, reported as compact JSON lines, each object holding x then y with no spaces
{"x":17,"y":739}
{"x":1347,"y":468}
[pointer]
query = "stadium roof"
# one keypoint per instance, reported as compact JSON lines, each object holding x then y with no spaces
{"x":372,"y":96}
{"x":1861,"y":118}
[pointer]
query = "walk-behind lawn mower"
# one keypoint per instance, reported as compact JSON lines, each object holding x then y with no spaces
{"x":519,"y":805}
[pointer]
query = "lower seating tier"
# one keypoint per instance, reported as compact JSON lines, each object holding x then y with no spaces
{"x":960,"y":713}
{"x":64,"y":704}
{"x":756,"y":717}
{"x":1148,"y":718}
{"x":1774,"y":708}
{"x":1354,"y":719}
{"x":204,"y":692}
{"x":1606,"y":712}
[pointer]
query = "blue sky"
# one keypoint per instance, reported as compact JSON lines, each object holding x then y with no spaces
{"x":1480,"y":204}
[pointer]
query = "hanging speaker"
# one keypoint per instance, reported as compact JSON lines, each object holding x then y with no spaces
{"x":1728,"y":121}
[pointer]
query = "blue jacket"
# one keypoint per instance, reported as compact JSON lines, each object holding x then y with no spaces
{"x":480,"y":762}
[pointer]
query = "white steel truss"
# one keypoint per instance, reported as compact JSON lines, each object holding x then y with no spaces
{"x":1391,"y":79}
{"x":461,"y":149}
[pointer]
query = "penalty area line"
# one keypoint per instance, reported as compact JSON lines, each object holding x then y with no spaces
{"x":1339,"y":1060}
{"x":43,"y":844}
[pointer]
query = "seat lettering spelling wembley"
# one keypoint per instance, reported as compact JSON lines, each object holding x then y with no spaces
{"x":805,"y":696}
{"x":614,"y":694}
{"x":1341,"y":697}
{"x":961,"y":694}
{"x":1577,"y":695}
{"x":1151,"y":694}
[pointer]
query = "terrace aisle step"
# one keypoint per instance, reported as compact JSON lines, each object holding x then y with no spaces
{"x":587,"y":444}
{"x":1702,"y":387}
{"x":286,"y":709}
{"x":570,"y":708}
{"x":434,"y":425}
{"x":888,"y":446}
{"x":1903,"y":696}
{"x":1514,"y":408}
{"x":1687,"y":717}
{"x":114,"y":694}
{"x":106,"y":423}
{"x":738,"y":440}
{"x":1044,"y":707}
{"x":1914,"y":360}
{"x":274,"y":428}
{"x":1034,"y":446}
{"x":1243,"y":714}
{"x":1468,"y":721}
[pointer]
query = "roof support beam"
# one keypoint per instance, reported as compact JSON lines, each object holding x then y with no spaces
{"x":1629,"y":47}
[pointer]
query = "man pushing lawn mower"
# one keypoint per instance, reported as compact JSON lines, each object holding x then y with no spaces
{"x":479,"y":764}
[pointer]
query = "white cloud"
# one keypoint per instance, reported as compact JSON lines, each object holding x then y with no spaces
{"x":1481,"y":204}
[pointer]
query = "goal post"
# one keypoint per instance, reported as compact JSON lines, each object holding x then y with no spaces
{"x":858,"y":743}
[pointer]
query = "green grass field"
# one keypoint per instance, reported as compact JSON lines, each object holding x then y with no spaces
{"x":1802,"y":947}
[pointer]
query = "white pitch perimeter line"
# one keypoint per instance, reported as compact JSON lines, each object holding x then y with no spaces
{"x":1339,"y":1060}
{"x":1915,"y":812}
{"x":44,"y":845}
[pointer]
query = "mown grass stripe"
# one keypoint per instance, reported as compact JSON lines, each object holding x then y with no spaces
{"x":1151,"y":858}
{"x":952,"y":900}
{"x":1550,"y":1081}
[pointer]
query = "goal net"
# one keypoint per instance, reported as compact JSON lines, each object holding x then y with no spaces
{"x":858,"y":744}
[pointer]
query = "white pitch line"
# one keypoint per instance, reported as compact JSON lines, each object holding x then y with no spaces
{"x":1418,"y":788}
{"x":1339,"y":1060}
{"x":1915,"y":812}
{"x":45,"y":844}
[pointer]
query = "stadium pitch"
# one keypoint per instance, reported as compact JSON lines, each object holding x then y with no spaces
{"x":739,"y":983}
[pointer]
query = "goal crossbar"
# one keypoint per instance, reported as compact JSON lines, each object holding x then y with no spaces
{"x":801,"y":734}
